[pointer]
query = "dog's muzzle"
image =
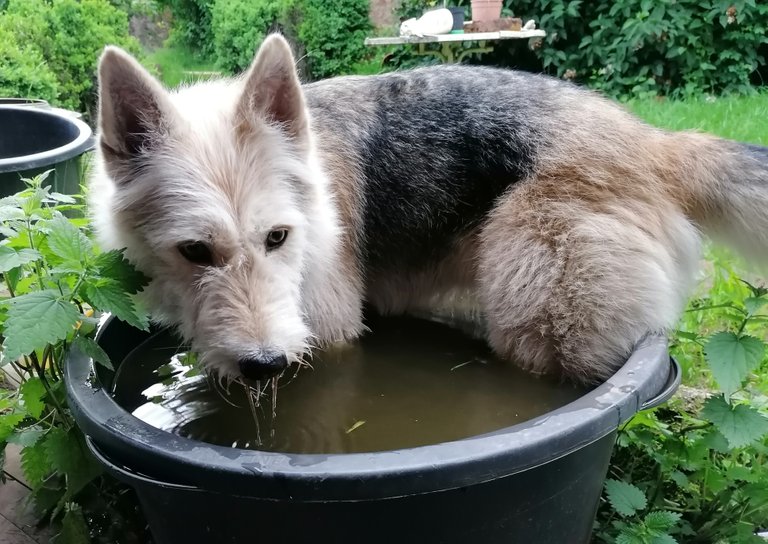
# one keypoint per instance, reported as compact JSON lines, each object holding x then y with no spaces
{"x":262,"y":365}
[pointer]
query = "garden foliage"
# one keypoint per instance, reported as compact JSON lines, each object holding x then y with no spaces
{"x":239,"y":26}
{"x":636,"y":48}
{"x":49,"y":48}
{"x":328,"y":35}
{"x":694,"y":471}
{"x":55,"y":279}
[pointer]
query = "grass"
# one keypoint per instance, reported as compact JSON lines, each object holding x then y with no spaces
{"x":174,"y":62}
{"x":741,"y":118}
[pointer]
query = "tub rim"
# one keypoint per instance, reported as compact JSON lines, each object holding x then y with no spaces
{"x":74,"y":148}
{"x":648,"y":378}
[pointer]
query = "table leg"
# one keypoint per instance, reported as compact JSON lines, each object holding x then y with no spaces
{"x":482,"y":48}
{"x":444,"y":55}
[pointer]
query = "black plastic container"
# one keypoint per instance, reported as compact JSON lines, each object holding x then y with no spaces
{"x":536,"y":482}
{"x":35,"y":138}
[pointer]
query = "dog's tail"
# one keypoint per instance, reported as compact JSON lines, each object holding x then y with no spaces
{"x":723,"y":188}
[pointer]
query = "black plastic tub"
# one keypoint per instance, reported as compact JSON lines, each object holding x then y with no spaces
{"x":35,"y":138}
{"x":535,"y":482}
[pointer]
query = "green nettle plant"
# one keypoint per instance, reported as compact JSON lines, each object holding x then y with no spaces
{"x":694,"y":471}
{"x":56,"y":284}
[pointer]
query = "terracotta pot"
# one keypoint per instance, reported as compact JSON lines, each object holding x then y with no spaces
{"x":486,"y":10}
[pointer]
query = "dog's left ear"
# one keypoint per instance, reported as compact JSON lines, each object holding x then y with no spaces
{"x":273,"y":91}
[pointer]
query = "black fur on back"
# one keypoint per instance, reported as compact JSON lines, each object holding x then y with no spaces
{"x":440,"y":145}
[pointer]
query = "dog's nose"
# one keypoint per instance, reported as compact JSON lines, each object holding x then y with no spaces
{"x":262,"y":365}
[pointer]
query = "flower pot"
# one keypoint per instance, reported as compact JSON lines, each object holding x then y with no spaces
{"x":458,"y":20}
{"x":35,"y":138}
{"x":538,"y":481}
{"x":486,"y":10}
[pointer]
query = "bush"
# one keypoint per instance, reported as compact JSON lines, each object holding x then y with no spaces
{"x":333,"y":34}
{"x":192,"y":23}
{"x":637,"y":47}
{"x":24,"y":72}
{"x":641,"y":47}
{"x":68,"y":35}
{"x":239,"y":26}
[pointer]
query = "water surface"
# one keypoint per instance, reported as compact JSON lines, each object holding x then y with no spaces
{"x":409,"y":382}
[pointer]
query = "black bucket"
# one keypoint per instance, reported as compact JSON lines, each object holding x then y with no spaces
{"x":35,"y":138}
{"x":538,"y":481}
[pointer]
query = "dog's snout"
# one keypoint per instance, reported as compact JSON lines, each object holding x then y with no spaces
{"x":262,"y":365}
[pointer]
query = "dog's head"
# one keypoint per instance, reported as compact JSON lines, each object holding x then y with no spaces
{"x":214,"y":192}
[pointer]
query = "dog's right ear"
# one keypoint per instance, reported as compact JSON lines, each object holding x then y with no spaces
{"x":134,"y":109}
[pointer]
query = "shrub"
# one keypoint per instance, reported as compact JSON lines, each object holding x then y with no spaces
{"x":54,"y":279}
{"x":636,"y":47}
{"x":81,"y":28}
{"x":333,"y":34}
{"x":641,"y":47}
{"x":239,"y":26}
{"x":192,"y":23}
{"x":68,"y":35}
{"x":24,"y":72}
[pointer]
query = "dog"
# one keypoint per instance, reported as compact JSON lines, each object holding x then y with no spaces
{"x":268,"y":213}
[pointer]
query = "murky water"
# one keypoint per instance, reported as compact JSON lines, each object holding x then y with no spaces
{"x":409,"y":382}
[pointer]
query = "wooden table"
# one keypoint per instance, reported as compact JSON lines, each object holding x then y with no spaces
{"x":446,"y":53}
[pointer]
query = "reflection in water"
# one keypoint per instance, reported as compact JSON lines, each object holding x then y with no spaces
{"x":409,"y":382}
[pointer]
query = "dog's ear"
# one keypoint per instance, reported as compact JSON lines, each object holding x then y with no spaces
{"x":134,"y":109}
{"x":273,"y":91}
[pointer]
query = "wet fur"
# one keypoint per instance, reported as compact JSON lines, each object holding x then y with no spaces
{"x":568,"y":226}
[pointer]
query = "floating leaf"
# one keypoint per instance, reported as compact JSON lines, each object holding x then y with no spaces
{"x":625,"y":498}
{"x":741,"y":425}
{"x":357,"y":425}
{"x":732,"y":357}
{"x":35,"y":320}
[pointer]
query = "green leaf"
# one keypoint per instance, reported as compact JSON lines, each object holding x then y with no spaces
{"x":742,"y":473}
{"x":35,"y":320}
{"x":11,"y":258}
{"x":680,"y":478}
{"x":74,"y":530}
{"x":70,"y":457}
{"x":732,"y":357}
{"x":89,"y":347}
{"x":741,"y":425}
{"x":715,"y":441}
{"x":625,"y":498}
{"x":8,"y":422}
{"x":32,"y":392}
{"x":106,"y":295}
{"x":68,"y":242}
{"x":631,"y":535}
{"x":663,"y":539}
{"x":753,"y":304}
{"x":26,"y":438}
{"x":35,"y":463}
{"x":114,"y":266}
{"x":661,"y":521}
{"x":59,"y":197}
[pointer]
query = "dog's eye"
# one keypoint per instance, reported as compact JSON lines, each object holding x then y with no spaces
{"x":276,"y":238}
{"x":196,"y":252}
